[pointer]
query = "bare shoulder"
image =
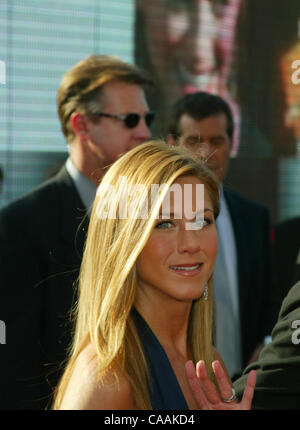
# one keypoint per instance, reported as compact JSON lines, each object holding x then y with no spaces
{"x":86,"y":392}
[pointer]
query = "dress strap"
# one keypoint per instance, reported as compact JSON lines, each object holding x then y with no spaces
{"x":164,"y":390}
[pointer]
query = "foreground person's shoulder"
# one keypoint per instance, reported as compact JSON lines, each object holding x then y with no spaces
{"x":86,"y":392}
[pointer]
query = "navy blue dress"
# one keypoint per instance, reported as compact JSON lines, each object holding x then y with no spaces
{"x":165,"y":392}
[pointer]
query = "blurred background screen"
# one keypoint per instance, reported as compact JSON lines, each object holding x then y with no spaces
{"x":244,"y":50}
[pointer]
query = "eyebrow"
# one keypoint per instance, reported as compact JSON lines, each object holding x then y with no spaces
{"x":218,"y":136}
{"x":176,"y":215}
{"x":196,"y":138}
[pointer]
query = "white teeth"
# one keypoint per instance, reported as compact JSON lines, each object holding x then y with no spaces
{"x":185,"y":268}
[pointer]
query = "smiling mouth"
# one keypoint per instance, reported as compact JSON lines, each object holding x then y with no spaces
{"x":187,"y":269}
{"x":201,"y":80}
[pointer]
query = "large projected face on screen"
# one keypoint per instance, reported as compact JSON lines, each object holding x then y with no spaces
{"x":200,"y":38}
{"x":190,"y":44}
{"x":290,"y":76}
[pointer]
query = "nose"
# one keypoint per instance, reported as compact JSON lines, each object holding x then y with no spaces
{"x":204,"y":54}
{"x":188,"y":241}
{"x":204,"y":150}
{"x":204,"y":35}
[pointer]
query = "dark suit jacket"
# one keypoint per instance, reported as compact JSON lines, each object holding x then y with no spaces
{"x":278,"y":365}
{"x":40,"y":254}
{"x":286,"y":248}
{"x":297,"y":271}
{"x":251,"y":225}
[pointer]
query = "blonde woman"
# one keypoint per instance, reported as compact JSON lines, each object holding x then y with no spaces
{"x":145,"y":287}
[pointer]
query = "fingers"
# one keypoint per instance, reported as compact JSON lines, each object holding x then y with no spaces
{"x":195,"y":386}
{"x":206,"y":384}
{"x":206,"y":393}
{"x":249,"y":390}
{"x":190,"y":370}
{"x":224,"y":384}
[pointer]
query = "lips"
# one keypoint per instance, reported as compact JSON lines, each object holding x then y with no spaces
{"x":196,"y":80}
{"x":187,"y":269}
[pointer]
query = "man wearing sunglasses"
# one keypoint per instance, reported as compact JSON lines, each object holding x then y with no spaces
{"x":103,"y":114}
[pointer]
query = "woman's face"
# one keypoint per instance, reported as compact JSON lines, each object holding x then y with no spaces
{"x":178,"y":261}
{"x":193,"y":32}
{"x":195,"y":37}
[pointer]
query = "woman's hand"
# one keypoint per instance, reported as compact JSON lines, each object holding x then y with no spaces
{"x":206,"y":394}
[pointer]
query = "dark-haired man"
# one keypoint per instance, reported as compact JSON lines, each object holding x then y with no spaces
{"x":286,"y":255}
{"x":203,"y":123}
{"x":103,"y":113}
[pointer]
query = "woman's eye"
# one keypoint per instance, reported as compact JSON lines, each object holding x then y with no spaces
{"x":200,"y":223}
{"x":203,"y":222}
{"x":164,"y":224}
{"x":207,"y":221}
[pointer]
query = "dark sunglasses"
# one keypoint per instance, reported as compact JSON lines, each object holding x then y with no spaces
{"x":131,"y":120}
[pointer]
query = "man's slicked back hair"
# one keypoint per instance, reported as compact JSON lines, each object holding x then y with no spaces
{"x":198,"y":106}
{"x":81,"y":87}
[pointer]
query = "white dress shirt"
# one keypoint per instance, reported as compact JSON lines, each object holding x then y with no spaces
{"x":226,"y":294}
{"x":86,"y":188}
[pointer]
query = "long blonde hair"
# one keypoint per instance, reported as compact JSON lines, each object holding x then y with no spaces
{"x":108,"y":280}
